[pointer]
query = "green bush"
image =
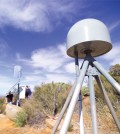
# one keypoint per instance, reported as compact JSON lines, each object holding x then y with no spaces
{"x":21,"y":119}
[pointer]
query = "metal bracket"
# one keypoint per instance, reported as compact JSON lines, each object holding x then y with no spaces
{"x":92,"y":71}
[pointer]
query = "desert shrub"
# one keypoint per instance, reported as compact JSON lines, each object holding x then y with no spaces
{"x":21,"y":119}
{"x":51,"y":96}
{"x":35,"y":114}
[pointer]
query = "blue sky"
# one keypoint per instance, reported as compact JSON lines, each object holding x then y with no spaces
{"x":33,"y":35}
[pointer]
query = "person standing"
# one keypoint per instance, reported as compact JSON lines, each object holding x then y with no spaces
{"x":9,"y":98}
{"x":27,"y":92}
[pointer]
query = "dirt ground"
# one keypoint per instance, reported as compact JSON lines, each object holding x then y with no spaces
{"x":8,"y":127}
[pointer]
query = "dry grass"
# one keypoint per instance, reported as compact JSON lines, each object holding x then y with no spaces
{"x":35,"y":115}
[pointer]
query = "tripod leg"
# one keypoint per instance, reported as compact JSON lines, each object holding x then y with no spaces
{"x":108,"y":101}
{"x":93,"y":105}
{"x":64,"y":108}
{"x":81,"y":114}
{"x":108,"y":77}
{"x":80,"y":97}
{"x":74,"y":98}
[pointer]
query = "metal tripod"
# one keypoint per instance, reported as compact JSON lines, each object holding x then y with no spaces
{"x":91,"y":68}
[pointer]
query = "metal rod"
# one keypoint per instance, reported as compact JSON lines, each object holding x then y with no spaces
{"x":18,"y":94}
{"x":64,"y":108}
{"x":79,"y":97}
{"x":108,"y":77}
{"x":108,"y":101}
{"x":92,"y":104}
{"x":81,"y":114}
{"x":77,"y":66}
{"x":74,"y":98}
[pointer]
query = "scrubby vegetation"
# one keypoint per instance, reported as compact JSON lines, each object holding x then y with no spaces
{"x":21,"y":119}
{"x":51,"y":96}
{"x":113,"y":95}
{"x":48,"y":99}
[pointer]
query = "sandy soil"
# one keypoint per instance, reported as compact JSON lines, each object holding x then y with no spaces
{"x":8,"y":127}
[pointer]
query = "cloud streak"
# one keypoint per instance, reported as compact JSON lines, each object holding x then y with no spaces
{"x":35,"y":15}
{"x":113,"y":26}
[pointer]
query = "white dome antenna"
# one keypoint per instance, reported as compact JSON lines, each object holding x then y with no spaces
{"x":88,"y":35}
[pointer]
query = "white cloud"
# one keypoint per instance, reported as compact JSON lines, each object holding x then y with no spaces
{"x":5,"y":84}
{"x":32,"y":78}
{"x":70,"y":67}
{"x":49,"y":59}
{"x":35,"y":15}
{"x":49,"y":64}
{"x":37,"y":71}
{"x":59,"y":78}
{"x":3,"y":48}
{"x":113,"y":56}
{"x":115,"y":61}
{"x":113,"y":26}
{"x":62,"y":48}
